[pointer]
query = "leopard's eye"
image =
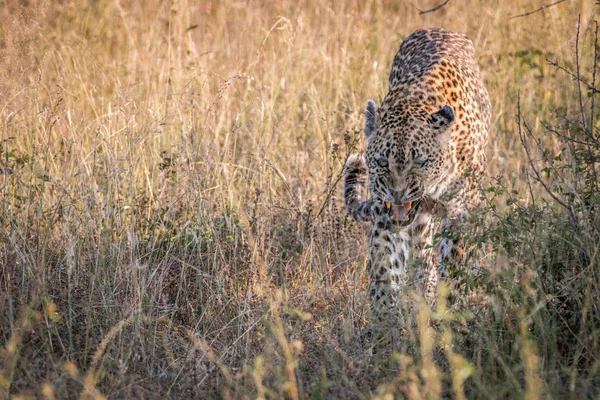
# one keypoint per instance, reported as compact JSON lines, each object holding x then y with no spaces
{"x":423,"y":162}
{"x":382,"y":162}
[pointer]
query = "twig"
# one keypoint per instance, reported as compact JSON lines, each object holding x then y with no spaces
{"x":594,"y":76}
{"x":537,"y":176}
{"x":580,"y":93}
{"x":578,"y":72}
{"x":592,"y":107}
{"x":421,"y":12}
{"x":565,"y":137}
{"x":548,"y":160}
{"x":539,"y":9}
{"x":285,"y":184}
{"x":531,"y":195}
{"x":332,"y":188}
{"x":557,"y":65}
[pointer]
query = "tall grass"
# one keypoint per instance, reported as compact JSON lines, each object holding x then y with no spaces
{"x":172,"y":224}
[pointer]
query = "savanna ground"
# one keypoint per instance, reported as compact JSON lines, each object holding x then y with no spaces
{"x":171,"y":215}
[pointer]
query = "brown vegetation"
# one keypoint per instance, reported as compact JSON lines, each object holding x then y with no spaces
{"x":171,"y":222}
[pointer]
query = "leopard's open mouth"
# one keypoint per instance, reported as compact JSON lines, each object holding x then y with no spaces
{"x":402,"y":214}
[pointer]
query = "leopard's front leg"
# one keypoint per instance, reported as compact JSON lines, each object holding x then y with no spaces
{"x":450,"y":253}
{"x":424,"y":257}
{"x":388,"y":255}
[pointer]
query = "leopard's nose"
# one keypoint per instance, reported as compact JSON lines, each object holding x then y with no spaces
{"x":398,"y":196}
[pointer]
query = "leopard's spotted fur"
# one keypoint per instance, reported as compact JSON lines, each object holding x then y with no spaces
{"x":426,"y":145}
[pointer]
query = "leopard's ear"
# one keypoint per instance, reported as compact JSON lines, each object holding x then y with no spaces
{"x":371,"y":119}
{"x":442,"y":119}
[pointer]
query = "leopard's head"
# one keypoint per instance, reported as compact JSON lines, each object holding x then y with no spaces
{"x":407,"y":154}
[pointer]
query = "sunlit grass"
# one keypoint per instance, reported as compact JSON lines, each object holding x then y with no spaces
{"x":172,"y":222}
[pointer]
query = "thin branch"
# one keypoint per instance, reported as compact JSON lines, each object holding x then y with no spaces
{"x":594,"y":75}
{"x":537,"y":177}
{"x":539,"y":9}
{"x":330,"y":191}
{"x":286,"y":185}
{"x":421,"y":12}
{"x":560,"y":67}
{"x":579,"y":124}
{"x":580,"y":92}
{"x":565,"y":137}
{"x":547,"y":159}
{"x":592,"y":107}
{"x":578,"y":72}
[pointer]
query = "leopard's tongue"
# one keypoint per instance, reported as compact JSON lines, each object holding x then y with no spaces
{"x":400,"y":211}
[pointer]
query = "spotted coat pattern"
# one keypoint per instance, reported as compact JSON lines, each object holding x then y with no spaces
{"x":426,"y":148}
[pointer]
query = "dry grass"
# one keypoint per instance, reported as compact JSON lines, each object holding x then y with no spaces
{"x":171,"y":220}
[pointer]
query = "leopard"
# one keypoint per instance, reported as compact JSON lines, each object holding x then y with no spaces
{"x":425,"y":155}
